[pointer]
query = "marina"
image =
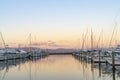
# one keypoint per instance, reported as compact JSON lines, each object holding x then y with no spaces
{"x":59,"y":39}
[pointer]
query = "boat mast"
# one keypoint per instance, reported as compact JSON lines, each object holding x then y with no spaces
{"x":91,"y":39}
{"x":30,"y":42}
{"x":113,"y":34}
{"x":115,"y":27}
{"x":99,"y":39}
{"x":84,"y":38}
{"x":3,"y":40}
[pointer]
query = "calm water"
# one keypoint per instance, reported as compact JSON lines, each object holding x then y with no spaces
{"x":55,"y":67}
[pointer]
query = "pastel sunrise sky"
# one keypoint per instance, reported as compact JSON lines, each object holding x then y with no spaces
{"x":59,"y":23}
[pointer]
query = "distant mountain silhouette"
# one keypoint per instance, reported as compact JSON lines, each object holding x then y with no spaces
{"x":61,"y":50}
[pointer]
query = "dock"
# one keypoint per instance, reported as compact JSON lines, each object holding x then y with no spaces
{"x":96,"y":60}
{"x":117,"y":62}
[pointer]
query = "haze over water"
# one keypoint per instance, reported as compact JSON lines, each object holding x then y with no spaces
{"x":53,"y":67}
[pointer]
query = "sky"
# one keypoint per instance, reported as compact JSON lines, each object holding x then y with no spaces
{"x":58,"y":23}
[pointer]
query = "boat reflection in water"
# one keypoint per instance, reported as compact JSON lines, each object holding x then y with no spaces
{"x":5,"y":66}
{"x":105,"y":70}
{"x":56,"y":67}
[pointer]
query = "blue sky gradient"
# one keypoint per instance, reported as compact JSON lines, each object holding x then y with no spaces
{"x":56,"y":19}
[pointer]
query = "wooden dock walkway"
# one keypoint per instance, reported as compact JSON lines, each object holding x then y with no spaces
{"x":117,"y":62}
{"x":96,"y":60}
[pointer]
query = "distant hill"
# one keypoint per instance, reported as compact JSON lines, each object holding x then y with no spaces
{"x":60,"y":50}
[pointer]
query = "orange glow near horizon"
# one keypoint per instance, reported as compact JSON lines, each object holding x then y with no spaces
{"x":70,"y":39}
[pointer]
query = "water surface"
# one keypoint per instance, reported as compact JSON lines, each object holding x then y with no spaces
{"x":55,"y":67}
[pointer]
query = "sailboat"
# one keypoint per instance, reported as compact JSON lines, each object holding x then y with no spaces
{"x":11,"y":53}
{"x":3,"y":50}
{"x":35,"y":52}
